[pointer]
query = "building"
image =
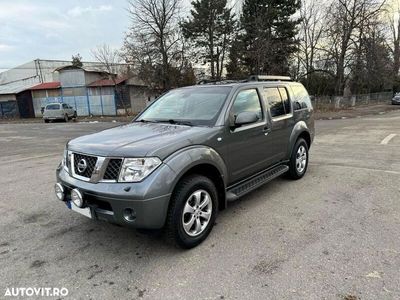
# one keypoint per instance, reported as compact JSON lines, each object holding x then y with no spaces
{"x":27,"y":89}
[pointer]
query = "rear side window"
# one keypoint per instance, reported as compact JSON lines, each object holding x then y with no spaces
{"x":301,"y":96}
{"x":285,"y":100}
{"x":53,"y":107}
{"x":247,"y":101}
{"x":274,"y":101}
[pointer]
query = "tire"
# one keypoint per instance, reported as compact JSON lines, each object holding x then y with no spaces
{"x":190,"y":194}
{"x":46,"y":121}
{"x":75,"y":115}
{"x":66,"y":118}
{"x":298,"y":160}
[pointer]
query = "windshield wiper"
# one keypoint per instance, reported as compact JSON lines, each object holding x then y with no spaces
{"x":179,"y":122}
{"x":146,"y":121}
{"x":170,"y":121}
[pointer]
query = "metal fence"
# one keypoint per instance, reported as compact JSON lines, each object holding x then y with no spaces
{"x":86,"y":101}
{"x":339,"y":102}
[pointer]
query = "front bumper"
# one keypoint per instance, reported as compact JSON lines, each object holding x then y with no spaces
{"x":395,"y":101}
{"x":148,"y":199}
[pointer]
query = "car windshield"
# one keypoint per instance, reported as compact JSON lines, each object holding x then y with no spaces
{"x":188,"y":106}
{"x":53,"y":107}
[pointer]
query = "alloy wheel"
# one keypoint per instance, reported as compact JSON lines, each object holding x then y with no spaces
{"x":301,"y":159}
{"x":197,"y":213}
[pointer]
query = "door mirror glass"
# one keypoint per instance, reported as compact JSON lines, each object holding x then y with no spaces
{"x":246,"y":117}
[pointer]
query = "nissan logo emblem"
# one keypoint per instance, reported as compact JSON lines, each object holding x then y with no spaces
{"x":82,"y":165}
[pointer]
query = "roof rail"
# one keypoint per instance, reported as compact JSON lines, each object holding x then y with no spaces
{"x":218,"y":82}
{"x":269,"y":78}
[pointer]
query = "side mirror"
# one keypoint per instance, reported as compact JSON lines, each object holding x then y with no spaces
{"x":297,"y":105}
{"x":246,"y":117}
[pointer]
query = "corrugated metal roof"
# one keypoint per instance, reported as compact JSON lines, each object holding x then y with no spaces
{"x":107,"y":82}
{"x":47,"y":86}
{"x":95,"y":69}
{"x":15,"y":87}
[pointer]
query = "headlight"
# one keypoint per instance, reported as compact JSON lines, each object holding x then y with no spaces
{"x":65,"y":160}
{"x":137,"y":169}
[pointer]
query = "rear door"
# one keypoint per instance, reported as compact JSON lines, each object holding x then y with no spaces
{"x":279,"y":107}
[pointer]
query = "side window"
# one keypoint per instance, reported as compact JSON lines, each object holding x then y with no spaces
{"x":302,"y":97}
{"x":247,"y":101}
{"x":274,"y":100}
{"x":65,"y":106}
{"x":286,"y":100}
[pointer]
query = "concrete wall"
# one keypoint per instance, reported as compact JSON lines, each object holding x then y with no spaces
{"x":139,"y":97}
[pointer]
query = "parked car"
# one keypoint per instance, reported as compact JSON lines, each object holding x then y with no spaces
{"x":189,"y":154}
{"x":58,"y":111}
{"x":396,"y":99}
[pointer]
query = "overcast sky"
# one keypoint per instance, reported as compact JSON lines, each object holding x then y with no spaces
{"x":57,"y":29}
{"x":54,"y":29}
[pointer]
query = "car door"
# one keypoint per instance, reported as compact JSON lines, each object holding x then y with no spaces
{"x":64,"y":109}
{"x":248,"y":150}
{"x":279,"y":107}
{"x":71,"y":111}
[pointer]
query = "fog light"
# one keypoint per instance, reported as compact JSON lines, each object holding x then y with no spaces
{"x":76,"y":198}
{"x":129,"y":214}
{"x":59,"y":190}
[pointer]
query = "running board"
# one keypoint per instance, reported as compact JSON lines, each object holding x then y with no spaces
{"x":244,"y":187}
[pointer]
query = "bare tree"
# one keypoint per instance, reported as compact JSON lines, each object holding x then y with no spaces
{"x":310,"y":34}
{"x":393,"y":16}
{"x":345,"y":22}
{"x":153,"y":39}
{"x":108,"y":57}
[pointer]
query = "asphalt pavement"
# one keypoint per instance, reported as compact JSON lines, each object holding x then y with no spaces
{"x":332,"y":235}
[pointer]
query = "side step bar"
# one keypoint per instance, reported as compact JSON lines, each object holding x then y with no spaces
{"x":238,"y":190}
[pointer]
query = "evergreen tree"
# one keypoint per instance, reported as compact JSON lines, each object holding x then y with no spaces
{"x":77,"y":60}
{"x":269,"y":35}
{"x":235,"y":68}
{"x":211,"y":28}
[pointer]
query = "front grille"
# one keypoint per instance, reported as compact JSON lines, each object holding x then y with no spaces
{"x":80,"y":160}
{"x":113,"y":168}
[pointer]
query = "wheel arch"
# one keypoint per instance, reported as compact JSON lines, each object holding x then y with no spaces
{"x":204,"y":161}
{"x":300,"y":130}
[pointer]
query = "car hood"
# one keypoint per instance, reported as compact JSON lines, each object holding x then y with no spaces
{"x":139,"y":140}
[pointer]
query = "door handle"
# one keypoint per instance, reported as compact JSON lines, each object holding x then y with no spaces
{"x":266,"y":130}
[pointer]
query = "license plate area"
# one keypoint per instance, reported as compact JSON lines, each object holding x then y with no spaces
{"x":86,"y":211}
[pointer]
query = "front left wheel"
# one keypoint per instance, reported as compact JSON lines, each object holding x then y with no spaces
{"x":192,"y":212}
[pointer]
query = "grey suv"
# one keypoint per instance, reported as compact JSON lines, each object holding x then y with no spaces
{"x":188,"y":154}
